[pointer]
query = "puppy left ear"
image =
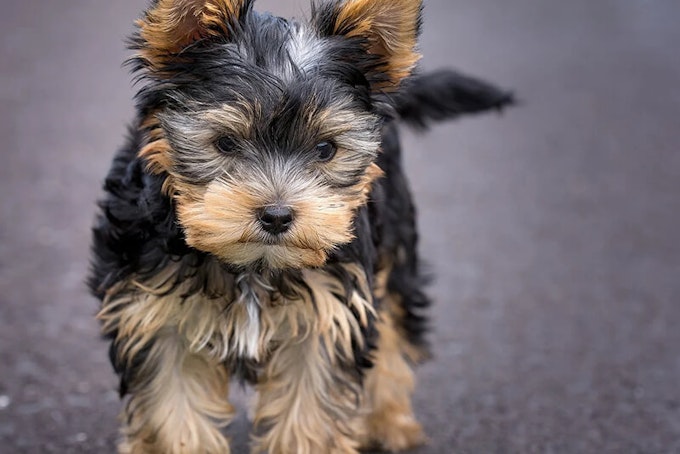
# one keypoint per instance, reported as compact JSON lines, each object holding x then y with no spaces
{"x":170,"y":26}
{"x":387,"y":29}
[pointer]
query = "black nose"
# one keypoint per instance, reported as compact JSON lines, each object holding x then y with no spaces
{"x":275,"y":219}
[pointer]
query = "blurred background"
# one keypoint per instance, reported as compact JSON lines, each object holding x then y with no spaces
{"x":553,"y":229}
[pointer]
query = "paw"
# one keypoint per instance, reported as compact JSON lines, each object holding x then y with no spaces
{"x":395,"y":432}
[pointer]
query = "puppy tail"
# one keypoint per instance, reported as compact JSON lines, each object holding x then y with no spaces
{"x":444,"y":95}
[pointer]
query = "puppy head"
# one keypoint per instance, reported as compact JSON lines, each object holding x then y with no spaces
{"x":265,"y":129}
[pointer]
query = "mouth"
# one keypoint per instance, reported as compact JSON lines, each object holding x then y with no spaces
{"x":277,"y":254}
{"x":274,"y":240}
{"x":286,"y":239}
{"x":279,"y":244}
{"x":266,"y":239}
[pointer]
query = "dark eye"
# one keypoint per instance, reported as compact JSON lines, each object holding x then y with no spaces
{"x":226,"y":145}
{"x":325,"y":151}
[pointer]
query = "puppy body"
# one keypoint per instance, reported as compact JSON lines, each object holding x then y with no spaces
{"x":258,"y":225}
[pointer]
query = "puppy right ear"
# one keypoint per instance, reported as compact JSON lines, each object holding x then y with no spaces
{"x":170,"y":26}
{"x":387,"y":30}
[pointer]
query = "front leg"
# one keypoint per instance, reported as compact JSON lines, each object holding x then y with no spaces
{"x":304,"y":403}
{"x":178,"y":400}
{"x":310,"y":388}
{"x":389,"y":420}
{"x":169,"y":352}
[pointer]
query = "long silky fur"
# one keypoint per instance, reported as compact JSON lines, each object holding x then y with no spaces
{"x":182,"y":315}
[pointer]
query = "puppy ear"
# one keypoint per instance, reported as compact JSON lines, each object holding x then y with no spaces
{"x":387,"y":29}
{"x":170,"y":26}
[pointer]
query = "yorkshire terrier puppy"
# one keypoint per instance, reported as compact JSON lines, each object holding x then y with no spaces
{"x":258,"y":226}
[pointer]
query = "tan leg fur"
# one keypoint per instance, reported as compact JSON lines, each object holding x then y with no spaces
{"x":390,"y":423}
{"x":178,"y":403}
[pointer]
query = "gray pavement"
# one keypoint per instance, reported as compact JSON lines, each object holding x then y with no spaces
{"x":553,"y":230}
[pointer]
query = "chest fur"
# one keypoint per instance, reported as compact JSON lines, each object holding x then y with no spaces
{"x":246,"y":319}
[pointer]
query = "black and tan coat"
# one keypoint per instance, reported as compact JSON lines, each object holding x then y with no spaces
{"x":240,"y":112}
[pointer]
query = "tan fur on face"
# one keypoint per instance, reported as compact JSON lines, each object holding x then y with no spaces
{"x":172,"y":25}
{"x":157,"y":150}
{"x":391,"y":28}
{"x":222,"y":219}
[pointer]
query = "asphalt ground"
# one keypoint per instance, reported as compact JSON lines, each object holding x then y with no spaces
{"x":553,"y":230}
